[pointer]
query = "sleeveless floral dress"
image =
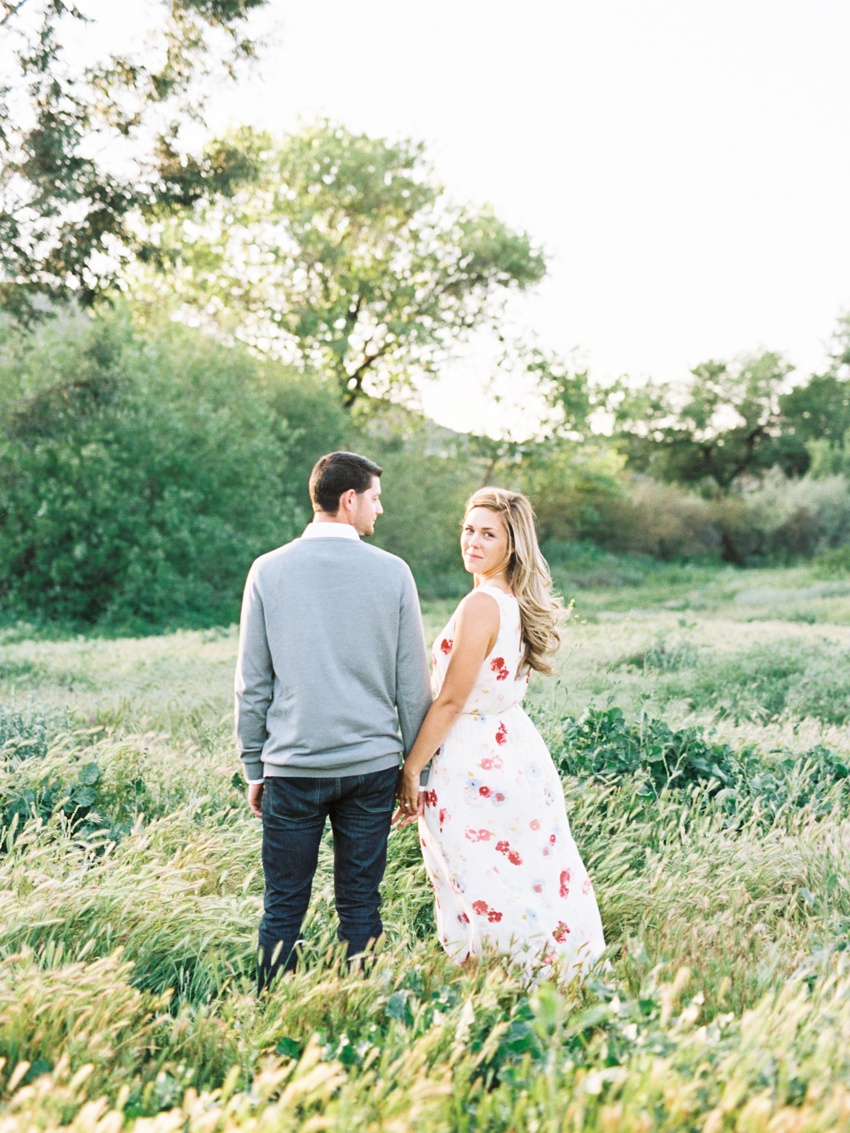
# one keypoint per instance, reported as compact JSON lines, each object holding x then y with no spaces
{"x":495,"y":837}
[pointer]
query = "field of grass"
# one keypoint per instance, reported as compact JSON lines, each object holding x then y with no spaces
{"x":702,"y":724}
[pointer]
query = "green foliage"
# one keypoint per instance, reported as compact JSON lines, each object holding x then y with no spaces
{"x":686,"y":435}
{"x":360,"y":265}
{"x":127,"y":936}
{"x":139,"y":475}
{"x":834,"y":563}
{"x":741,"y":782}
{"x":604,"y":743}
{"x":658,"y":519}
{"x":85,"y":148}
{"x":778,"y":520}
{"x":574,"y":487}
{"x":27,"y":733}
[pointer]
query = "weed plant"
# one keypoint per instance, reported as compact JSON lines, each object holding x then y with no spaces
{"x":130,"y":894}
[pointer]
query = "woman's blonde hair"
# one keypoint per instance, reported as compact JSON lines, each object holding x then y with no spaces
{"x":528,"y":575}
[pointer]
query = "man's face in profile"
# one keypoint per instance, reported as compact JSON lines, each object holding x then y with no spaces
{"x":368,"y":508}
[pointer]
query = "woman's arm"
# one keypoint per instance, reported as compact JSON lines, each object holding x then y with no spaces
{"x":476,"y":631}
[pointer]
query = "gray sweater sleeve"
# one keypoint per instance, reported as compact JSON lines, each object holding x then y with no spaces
{"x":413,"y":686}
{"x":254,"y":681}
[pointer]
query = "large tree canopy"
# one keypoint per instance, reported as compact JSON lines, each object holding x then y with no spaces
{"x":86,"y":145}
{"x":345,"y":254}
{"x":724,"y":423}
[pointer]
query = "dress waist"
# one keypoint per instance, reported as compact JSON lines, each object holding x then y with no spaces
{"x":491,"y":711}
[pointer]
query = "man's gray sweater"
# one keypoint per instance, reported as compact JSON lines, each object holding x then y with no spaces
{"x":331,"y":661}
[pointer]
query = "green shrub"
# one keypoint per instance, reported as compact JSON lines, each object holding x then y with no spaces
{"x":834,"y":563}
{"x":661,"y":520}
{"x":783,"y":519}
{"x":25,"y":733}
{"x":139,"y":475}
{"x":742,"y":783}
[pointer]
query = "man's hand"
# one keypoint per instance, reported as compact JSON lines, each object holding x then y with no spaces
{"x":255,"y":798}
{"x":411,"y":801}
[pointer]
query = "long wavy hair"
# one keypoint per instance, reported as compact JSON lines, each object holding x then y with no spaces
{"x":528,"y":576}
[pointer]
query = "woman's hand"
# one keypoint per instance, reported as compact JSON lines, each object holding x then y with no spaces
{"x":411,"y":801}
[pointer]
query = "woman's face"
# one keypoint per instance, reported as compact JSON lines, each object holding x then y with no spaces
{"x":484,"y":542}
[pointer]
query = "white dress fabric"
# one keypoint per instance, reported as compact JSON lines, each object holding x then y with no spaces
{"x":497,"y":845}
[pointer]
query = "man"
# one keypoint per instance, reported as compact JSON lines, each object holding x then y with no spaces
{"x":331,"y":661}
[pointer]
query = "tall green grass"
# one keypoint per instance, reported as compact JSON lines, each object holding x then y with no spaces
{"x":718,"y":841}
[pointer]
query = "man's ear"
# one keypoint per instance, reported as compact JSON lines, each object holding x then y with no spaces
{"x":346,"y":500}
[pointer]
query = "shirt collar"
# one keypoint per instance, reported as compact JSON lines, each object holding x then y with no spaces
{"x":329,"y":531}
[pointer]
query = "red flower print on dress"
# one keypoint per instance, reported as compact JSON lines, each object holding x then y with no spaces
{"x":565,"y":883}
{"x":484,"y":910}
{"x":537,"y":887}
{"x":499,"y":668}
{"x":535,"y":824}
{"x":430,"y":798}
{"x":501,"y":734}
{"x":561,"y":932}
{"x":513,"y":856}
{"x":484,"y":791}
{"x":442,"y":816}
{"x":552,"y":839}
{"x":492,"y":763}
{"x":477,"y":835}
{"x":446,"y":645}
{"x":586,"y":886}
{"x":463,"y":918}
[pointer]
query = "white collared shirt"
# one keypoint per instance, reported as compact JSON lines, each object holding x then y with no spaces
{"x":329,"y":530}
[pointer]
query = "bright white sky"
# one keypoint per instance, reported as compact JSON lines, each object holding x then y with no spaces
{"x":684,"y":163}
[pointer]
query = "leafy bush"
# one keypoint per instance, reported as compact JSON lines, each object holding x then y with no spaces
{"x":834,"y":563}
{"x":661,"y":520}
{"x":603,"y":744}
{"x":584,"y":565}
{"x":782,"y":519}
{"x":139,"y":474}
{"x":27,"y":733}
{"x":574,"y":487}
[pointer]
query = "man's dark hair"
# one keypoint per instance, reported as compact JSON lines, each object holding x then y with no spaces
{"x":336,"y":473}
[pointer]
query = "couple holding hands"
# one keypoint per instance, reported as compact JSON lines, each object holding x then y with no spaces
{"x":332,"y":666}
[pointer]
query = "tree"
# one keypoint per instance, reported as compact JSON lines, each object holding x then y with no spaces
{"x":345,"y":255}
{"x":724,"y":424}
{"x":140,"y":473}
{"x":819,"y":410}
{"x":85,"y":148}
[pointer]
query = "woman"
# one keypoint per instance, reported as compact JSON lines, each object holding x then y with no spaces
{"x":492,"y":822}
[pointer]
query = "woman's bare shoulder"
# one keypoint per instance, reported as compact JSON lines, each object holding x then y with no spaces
{"x":479,"y":604}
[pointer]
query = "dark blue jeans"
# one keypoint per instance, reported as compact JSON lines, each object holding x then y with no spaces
{"x":360,"y":808}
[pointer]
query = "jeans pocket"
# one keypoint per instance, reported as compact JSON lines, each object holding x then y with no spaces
{"x":376,"y":792}
{"x":295,"y":800}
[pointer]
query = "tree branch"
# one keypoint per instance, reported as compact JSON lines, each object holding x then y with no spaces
{"x":12,"y":11}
